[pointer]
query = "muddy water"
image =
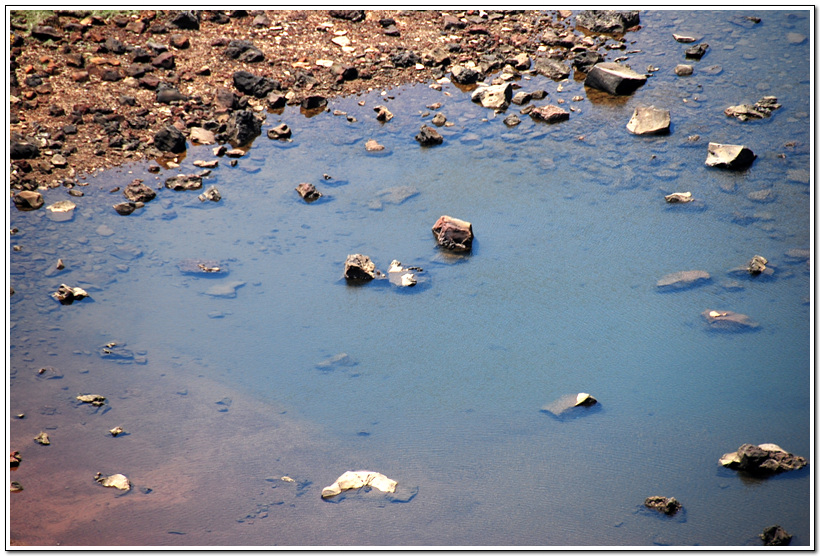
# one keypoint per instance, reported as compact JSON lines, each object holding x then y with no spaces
{"x":444,"y":381}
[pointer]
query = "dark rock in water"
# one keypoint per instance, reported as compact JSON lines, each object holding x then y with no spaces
{"x":765,"y":459}
{"x":549,"y":67}
{"x":453,"y":234}
{"x":127,"y":207}
{"x":568,"y":405}
{"x":138,"y":192}
{"x":683,"y":279}
{"x":648,"y":120}
{"x":67,"y":295}
{"x":254,"y":85}
{"x":729,"y":321}
{"x":184,"y":182}
{"x":428,"y":136}
{"x":585,"y":59}
{"x":170,"y":139}
{"x":28,"y":200}
{"x":382,"y":113}
{"x":23,"y":150}
{"x":763,"y":108}
{"x":607,"y":21}
{"x":314,"y":102}
{"x":667,"y":506}
{"x":730,"y":157}
{"x":243,"y":127}
{"x":308,"y":192}
{"x":465,"y":75}
{"x":496,"y":97}
{"x":615,"y":79}
{"x":350,"y":15}
{"x":201,"y":266}
{"x":187,"y":19}
{"x":549,"y":113}
{"x":512,"y":120}
{"x":696,"y":52}
{"x":210,"y":194}
{"x":243,"y":51}
{"x":282,"y":131}
{"x":521,"y":97}
{"x":775,"y":536}
{"x":359,"y":268}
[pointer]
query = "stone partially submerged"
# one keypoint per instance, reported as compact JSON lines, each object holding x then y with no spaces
{"x":764,"y":459}
{"x":67,"y":295}
{"x":666,"y":506}
{"x":496,"y":97}
{"x":763,"y":108}
{"x":94,"y":399}
{"x":615,"y":79}
{"x":683,"y":280}
{"x":117,"y":480}
{"x":308,"y":192}
{"x":648,"y":120}
{"x":569,"y":405}
{"x":359,"y":268}
{"x":453,"y":234}
{"x":685,"y":197}
{"x":730,"y":157}
{"x":775,"y":536}
{"x":729,"y":321}
{"x":183,"y":182}
{"x":550,"y":114}
{"x":359,"y":479}
{"x":401,"y":276}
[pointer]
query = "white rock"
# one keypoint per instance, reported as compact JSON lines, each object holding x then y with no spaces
{"x":358,"y":479}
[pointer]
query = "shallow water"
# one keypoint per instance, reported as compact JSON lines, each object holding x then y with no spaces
{"x":558,"y":296}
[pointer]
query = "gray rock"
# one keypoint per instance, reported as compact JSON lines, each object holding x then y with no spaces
{"x":730,"y":157}
{"x":281,"y":131}
{"x":201,"y":136}
{"x":465,"y":75}
{"x":615,"y":79}
{"x":684,"y":70}
{"x":765,"y":459}
{"x":550,"y":114}
{"x":359,"y":268}
{"x":439,"y":120}
{"x":683,"y":279}
{"x":428,"y":136}
{"x":648,"y":120}
{"x":763,"y":108}
{"x":183,"y":182}
{"x":585,"y":60}
{"x":243,"y":127}
{"x":521,"y":97}
{"x":496,"y":97}
{"x":757,"y":265}
{"x":685,"y":197}
{"x":696,"y":52}
{"x":608,"y":21}
{"x":314,"y":102}
{"x":244,"y":51}
{"x":254,"y":85}
{"x":127,"y":207}
{"x":167,"y":95}
{"x":137,"y":191}
{"x":512,"y":120}
{"x":308,"y":192}
{"x":210,"y":194}
{"x":552,"y":68}
{"x":775,"y":536}
{"x":170,"y":139}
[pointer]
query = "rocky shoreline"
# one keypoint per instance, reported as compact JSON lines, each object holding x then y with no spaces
{"x":91,"y":92}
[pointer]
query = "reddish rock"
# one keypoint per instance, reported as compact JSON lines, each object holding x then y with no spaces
{"x":453,"y":234}
{"x":549,"y":113}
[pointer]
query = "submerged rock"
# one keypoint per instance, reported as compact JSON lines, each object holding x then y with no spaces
{"x":566,"y":405}
{"x":67,"y":295}
{"x":358,"y":479}
{"x":117,"y":480}
{"x":615,"y":79}
{"x":775,"y":536}
{"x":685,"y":197}
{"x":648,"y":120}
{"x":127,"y":207}
{"x":453,"y":234}
{"x":383,"y":114}
{"x":338,"y":360}
{"x":667,"y":506}
{"x":183,"y":182}
{"x":763,"y":108}
{"x":227,"y":290}
{"x":764,"y":459}
{"x":729,"y":321}
{"x":401,"y":276}
{"x":731,"y":157}
{"x":359,"y":268}
{"x":683,"y":279}
{"x":94,"y":399}
{"x":308,"y":192}
{"x":210,"y":194}
{"x":757,"y":265}
{"x":201,"y":266}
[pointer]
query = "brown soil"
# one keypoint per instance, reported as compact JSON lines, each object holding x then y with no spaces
{"x":64,"y":80}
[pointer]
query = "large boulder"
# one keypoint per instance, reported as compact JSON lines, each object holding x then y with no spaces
{"x":607,"y":21}
{"x":764,"y":459}
{"x":359,"y":268}
{"x":549,"y":67}
{"x":549,"y":113}
{"x":170,"y":139}
{"x":730,"y":157}
{"x":453,"y":234}
{"x":648,"y":120}
{"x":243,"y":127}
{"x":729,"y":321}
{"x":496,"y":97}
{"x":683,"y":279}
{"x":254,"y":85}
{"x":615,"y":79}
